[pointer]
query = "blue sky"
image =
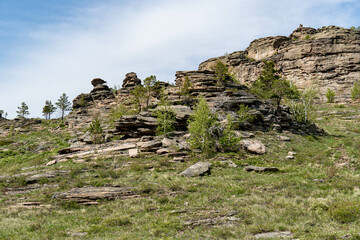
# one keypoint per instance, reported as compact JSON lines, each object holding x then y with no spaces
{"x":48,"y":47}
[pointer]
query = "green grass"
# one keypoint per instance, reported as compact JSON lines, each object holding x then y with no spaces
{"x":312,"y":195}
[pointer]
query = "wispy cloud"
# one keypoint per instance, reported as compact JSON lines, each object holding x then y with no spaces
{"x":148,"y":37}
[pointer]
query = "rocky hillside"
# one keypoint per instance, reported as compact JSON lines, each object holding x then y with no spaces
{"x":328,"y":57}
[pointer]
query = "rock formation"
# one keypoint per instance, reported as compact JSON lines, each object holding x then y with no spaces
{"x":328,"y":57}
{"x":131,"y":81}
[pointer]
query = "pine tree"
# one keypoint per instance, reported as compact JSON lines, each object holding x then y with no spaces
{"x":200,"y":127}
{"x":138,"y":96}
{"x":165,"y":116}
{"x":63,"y":104}
{"x":23,"y":110}
{"x":48,"y":109}
{"x":149,"y":84}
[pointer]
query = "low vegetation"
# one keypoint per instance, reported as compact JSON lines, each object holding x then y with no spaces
{"x":314,"y":196}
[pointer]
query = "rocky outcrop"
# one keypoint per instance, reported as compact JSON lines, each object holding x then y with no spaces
{"x":100,"y":92}
{"x":328,"y":57}
{"x":131,"y":81}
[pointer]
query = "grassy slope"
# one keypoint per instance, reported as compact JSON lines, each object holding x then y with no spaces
{"x":238,"y":204}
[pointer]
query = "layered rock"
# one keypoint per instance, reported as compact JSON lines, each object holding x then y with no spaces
{"x":328,"y":57}
{"x":131,"y":81}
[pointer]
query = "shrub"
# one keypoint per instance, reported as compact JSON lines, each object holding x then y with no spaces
{"x":185,"y":88}
{"x":244,"y":114}
{"x":330,"y":95}
{"x":228,"y":141}
{"x":345,"y":211}
{"x":307,"y":37}
{"x":200,"y":125}
{"x":302,"y":107}
{"x":96,"y":131}
{"x":165,"y":117}
{"x":355,"y":91}
{"x":222,"y":73}
{"x":138,"y":96}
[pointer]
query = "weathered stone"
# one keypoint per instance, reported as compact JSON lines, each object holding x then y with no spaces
{"x":68,"y":150}
{"x":283,"y":138}
{"x":47,"y":175}
{"x":152,"y":146}
{"x":133,"y":152}
{"x":198,"y":169}
{"x":253,"y":146}
{"x":87,"y":195}
{"x":131,"y":81}
{"x":166,"y":142}
{"x":284,"y":234}
{"x":261,"y":169}
{"x":162,"y":151}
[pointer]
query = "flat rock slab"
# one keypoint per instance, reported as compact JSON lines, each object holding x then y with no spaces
{"x":198,"y":169}
{"x":46,"y":175}
{"x":261,"y":169}
{"x":285,"y":234}
{"x":283,"y":138}
{"x":133,"y":152}
{"x":88,"y":195}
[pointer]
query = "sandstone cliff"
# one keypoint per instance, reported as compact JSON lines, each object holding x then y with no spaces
{"x":328,"y":57}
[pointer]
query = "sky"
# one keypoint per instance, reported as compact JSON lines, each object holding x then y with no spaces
{"x":50,"y":47}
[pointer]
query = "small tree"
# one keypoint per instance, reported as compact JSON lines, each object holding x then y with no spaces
{"x":23,"y":110}
{"x":63,"y":104}
{"x":138,"y":96}
{"x":48,"y":109}
{"x":302,"y":106}
{"x":270,"y":85}
{"x":1,"y":113}
{"x":355,"y":91}
{"x":165,"y":117}
{"x":149,"y":83}
{"x":330,"y":95}
{"x":96,"y":131}
{"x":244,"y":114}
{"x":185,"y":88}
{"x":199,"y":126}
{"x":222,"y":73}
{"x":229,"y":141}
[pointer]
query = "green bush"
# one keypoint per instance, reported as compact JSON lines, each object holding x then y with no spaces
{"x":96,"y":131}
{"x":345,"y":211}
{"x":229,"y":141}
{"x":200,"y":125}
{"x":330,"y":95}
{"x":222,"y":73}
{"x":244,"y":114}
{"x":355,"y":91}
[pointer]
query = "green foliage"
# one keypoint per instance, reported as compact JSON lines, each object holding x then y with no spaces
{"x":165,"y":117}
{"x":355,"y":28}
{"x":222,"y":73}
{"x":302,"y":106}
{"x":23,"y":110}
{"x":138,"y":96}
{"x":200,"y":125}
{"x":48,"y":109}
{"x":307,"y":37}
{"x":149,"y":84}
{"x":244,"y":114}
{"x":270,"y":85}
{"x":82,"y":101}
{"x":186,"y":87}
{"x":229,"y":141}
{"x":96,"y":131}
{"x":355,"y":91}
{"x":118,"y":111}
{"x":330,"y":96}
{"x":63,"y":104}
{"x":345,"y":211}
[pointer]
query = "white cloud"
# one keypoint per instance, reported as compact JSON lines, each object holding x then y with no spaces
{"x":148,"y":37}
